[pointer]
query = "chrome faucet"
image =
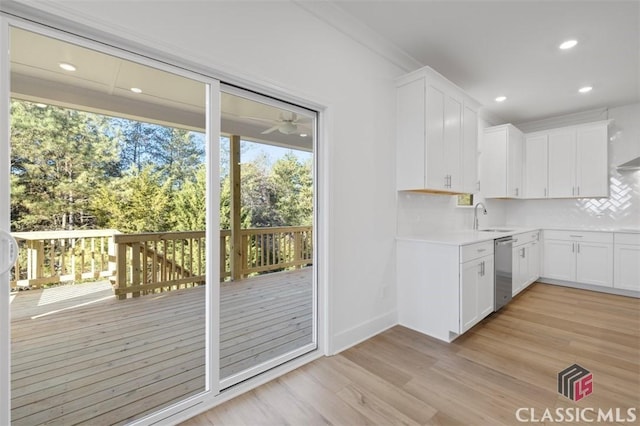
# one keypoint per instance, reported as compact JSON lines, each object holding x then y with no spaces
{"x":475,"y":214}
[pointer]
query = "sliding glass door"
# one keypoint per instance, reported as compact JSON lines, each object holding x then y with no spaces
{"x":112,"y":165}
{"x":165,"y":232}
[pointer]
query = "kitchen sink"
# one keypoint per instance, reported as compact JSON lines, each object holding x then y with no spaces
{"x":496,"y":230}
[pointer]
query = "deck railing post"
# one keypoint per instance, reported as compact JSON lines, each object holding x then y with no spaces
{"x":121,"y":268}
{"x":297,"y":248}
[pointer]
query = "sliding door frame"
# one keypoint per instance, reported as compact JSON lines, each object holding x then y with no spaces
{"x":5,"y":222}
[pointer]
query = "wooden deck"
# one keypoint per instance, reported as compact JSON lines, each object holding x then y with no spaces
{"x":79,"y":356}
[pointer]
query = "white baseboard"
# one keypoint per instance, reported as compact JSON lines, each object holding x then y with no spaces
{"x":362,"y":332}
{"x":608,"y":290}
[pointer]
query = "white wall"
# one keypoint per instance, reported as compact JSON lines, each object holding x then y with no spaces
{"x":280,"y":44}
{"x":620,"y":210}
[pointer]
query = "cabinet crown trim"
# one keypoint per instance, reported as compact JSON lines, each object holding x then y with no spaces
{"x":572,"y":127}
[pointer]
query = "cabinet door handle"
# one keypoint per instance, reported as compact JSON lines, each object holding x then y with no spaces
{"x":573,"y":247}
{"x":578,"y":244}
{"x":578,"y":190}
{"x":545,"y":192}
{"x":478,"y":184}
{"x":522,"y":255}
{"x":517,"y":190}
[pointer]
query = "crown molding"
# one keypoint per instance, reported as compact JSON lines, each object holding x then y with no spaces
{"x":331,"y":14}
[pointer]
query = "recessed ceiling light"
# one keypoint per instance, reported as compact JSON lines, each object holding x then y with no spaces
{"x":501,"y":98}
{"x":585,"y":89}
{"x":568,"y":44}
{"x":67,"y":66}
{"x":136,"y":90}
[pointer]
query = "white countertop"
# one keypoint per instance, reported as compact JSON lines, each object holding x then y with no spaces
{"x":467,"y":236}
{"x":594,"y":229}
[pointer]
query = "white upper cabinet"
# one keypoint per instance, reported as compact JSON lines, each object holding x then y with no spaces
{"x":562,"y":164}
{"x":592,"y":172}
{"x":536,"y":166}
{"x":436,"y":135}
{"x":577,"y":162}
{"x":501,"y":158}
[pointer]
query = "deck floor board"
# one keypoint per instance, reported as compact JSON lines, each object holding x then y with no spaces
{"x":80,"y":356}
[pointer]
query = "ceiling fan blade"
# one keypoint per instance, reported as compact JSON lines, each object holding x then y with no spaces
{"x":272,"y":129}
{"x":288,"y":128}
{"x":266,"y":120}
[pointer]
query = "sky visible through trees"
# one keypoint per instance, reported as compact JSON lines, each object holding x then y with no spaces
{"x":77,"y":170}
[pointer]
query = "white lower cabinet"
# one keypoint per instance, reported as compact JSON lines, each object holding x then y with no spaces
{"x":582,"y":257}
{"x":626,"y":269}
{"x":444,"y":289}
{"x":525,"y":261}
{"x":476,"y":291}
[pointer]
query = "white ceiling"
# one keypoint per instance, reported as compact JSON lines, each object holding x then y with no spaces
{"x":102,"y":83}
{"x":492,"y":48}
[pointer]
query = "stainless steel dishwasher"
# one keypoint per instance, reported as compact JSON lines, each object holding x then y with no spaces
{"x":503,"y":272}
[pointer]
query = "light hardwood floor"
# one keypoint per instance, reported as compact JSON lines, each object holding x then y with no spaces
{"x":509,"y":360}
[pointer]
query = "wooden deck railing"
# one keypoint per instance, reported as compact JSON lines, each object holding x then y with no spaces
{"x":51,"y":257}
{"x":153,"y":262}
{"x":270,"y":249}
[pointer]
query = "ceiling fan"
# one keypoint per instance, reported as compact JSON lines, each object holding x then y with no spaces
{"x":287,"y":126}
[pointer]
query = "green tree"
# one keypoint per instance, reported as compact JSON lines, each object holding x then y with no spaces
{"x":136,"y":202}
{"x":189,"y":212}
{"x":293,"y":183}
{"x":178,"y":155}
{"x":258,"y":196}
{"x":59,"y":156}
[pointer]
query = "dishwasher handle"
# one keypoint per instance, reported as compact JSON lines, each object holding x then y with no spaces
{"x":504,"y":242}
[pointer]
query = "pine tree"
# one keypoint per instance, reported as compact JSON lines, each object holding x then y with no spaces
{"x":189,"y":204}
{"x":293,"y":182}
{"x":59,"y":156}
{"x":136,"y":202}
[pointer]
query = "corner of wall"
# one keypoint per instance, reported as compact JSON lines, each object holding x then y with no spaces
{"x":361,"y":332}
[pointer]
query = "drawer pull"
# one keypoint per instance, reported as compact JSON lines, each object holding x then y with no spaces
{"x":576,"y":236}
{"x":481,"y":250}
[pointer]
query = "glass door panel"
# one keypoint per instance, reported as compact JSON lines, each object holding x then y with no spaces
{"x":108,"y":204}
{"x":267,"y":298}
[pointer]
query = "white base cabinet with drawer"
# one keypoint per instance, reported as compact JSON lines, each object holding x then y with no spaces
{"x":444,"y":289}
{"x":580,"y":257}
{"x":626,"y":269}
{"x":525,"y":261}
